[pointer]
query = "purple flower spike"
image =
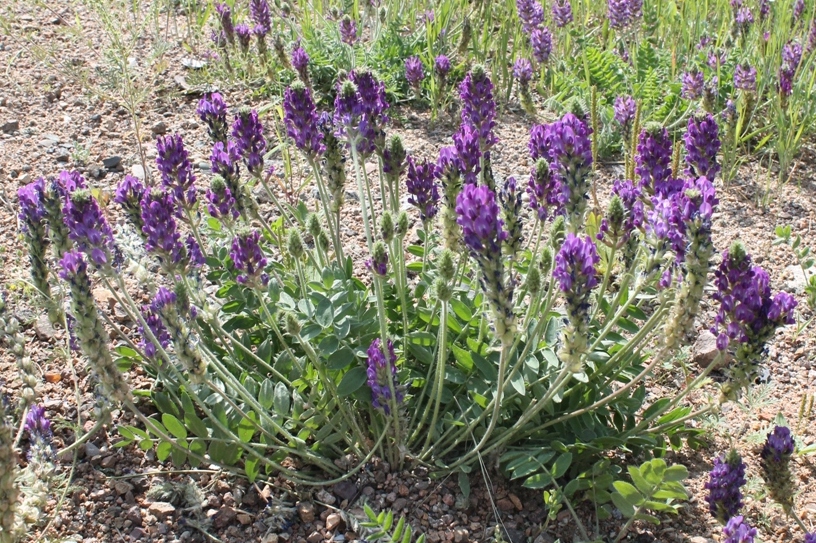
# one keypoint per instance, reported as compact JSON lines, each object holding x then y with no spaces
{"x":745,"y":77}
{"x":348,"y":30}
{"x":478,"y":106}
{"x":129,"y":195}
{"x":523,"y":71}
{"x":653,"y":161}
{"x":37,"y":424}
{"x":213,"y":111}
{"x":575,"y":268}
{"x":738,"y":531}
{"x":88,"y":228}
{"x":692,"y":85}
{"x":541,"y":43}
{"x":72,"y":264}
{"x":725,"y":482}
{"x":798,"y":10}
{"x":160,"y":229}
{"x":478,"y":215}
{"x":744,"y":19}
{"x":776,"y":459}
{"x":618,"y":13}
{"x":176,"y":170}
{"x":530,"y":13}
{"x":300,"y":117}
{"x":466,"y":141}
{"x":32,"y":208}
{"x":259,"y":12}
{"x":702,"y":145}
{"x":247,"y":131}
{"x":562,"y":13}
{"x":630,"y":195}
{"x":442,"y":66}
{"x":625,"y":108}
{"x":69,"y":181}
{"x":422,"y":188}
{"x":225,"y":18}
{"x":248,"y":258}
{"x":221,"y":200}
{"x":158,"y":330}
{"x":300,"y":62}
{"x":414,"y":72}
{"x":792,"y":55}
{"x":380,"y":371}
{"x":224,"y":159}
{"x":547,"y":194}
{"x":811,"y":43}
{"x":244,"y":35}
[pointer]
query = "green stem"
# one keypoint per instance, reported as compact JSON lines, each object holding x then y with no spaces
{"x":442,"y":346}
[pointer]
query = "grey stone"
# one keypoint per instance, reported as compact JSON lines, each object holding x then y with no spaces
{"x":10,"y":126}
{"x":797,"y":281}
{"x":705,"y":350}
{"x":137,"y":171}
{"x":111,"y":162}
{"x":158,"y":129}
{"x":306,"y":511}
{"x":345,"y":490}
{"x":92,"y":450}
{"x":44,"y":329}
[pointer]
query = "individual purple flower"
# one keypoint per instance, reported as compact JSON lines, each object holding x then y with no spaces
{"x":244,"y":35}
{"x":653,"y":161}
{"x":442,"y":66}
{"x":702,"y":145}
{"x":32,"y":208}
{"x":523,"y":71}
{"x":541,"y":44}
{"x":764,"y":9}
{"x":422,"y":188}
{"x":225,"y":18}
{"x":378,"y":263}
{"x":300,"y":63}
{"x":776,"y":457}
{"x":160,"y":228}
{"x":745,"y":77}
{"x":625,"y":108}
{"x":36,"y":423}
{"x":724,"y":485}
{"x":466,"y":142}
{"x":348,"y":30}
{"x":382,"y":376}
{"x":562,"y":13}
{"x":224,"y":159}
{"x":692,"y":85}
{"x":792,"y":55}
{"x":530,"y":13}
{"x":88,"y":228}
{"x":221,"y":202}
{"x":213,"y":111}
{"x":259,"y":12}
{"x":546,"y":193}
{"x":129,"y":195}
{"x":176,"y":170}
{"x":247,"y":131}
{"x":248,"y":258}
{"x":810,"y":538}
{"x":744,"y":19}
{"x":300,"y":117}
{"x":414,"y":72}
{"x":738,"y":531}
{"x":157,"y":328}
{"x":478,"y":106}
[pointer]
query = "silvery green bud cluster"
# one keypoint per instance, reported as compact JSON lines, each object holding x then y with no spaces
{"x":10,"y":329}
{"x":8,"y":476}
{"x":294,"y":244}
{"x":401,"y":228}
{"x":387,"y":226}
{"x":167,"y":305}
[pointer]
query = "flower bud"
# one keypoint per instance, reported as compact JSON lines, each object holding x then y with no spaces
{"x":615,"y":214}
{"x":292,"y":324}
{"x":464,"y":38}
{"x":323,"y":240}
{"x":294,"y":244}
{"x":378,"y":264}
{"x":402,"y":224}
{"x":443,"y":290}
{"x":313,"y":225}
{"x":387,"y":226}
{"x":546,"y":260}
{"x":557,"y":230}
{"x":533,"y":280}
{"x":445,"y":266}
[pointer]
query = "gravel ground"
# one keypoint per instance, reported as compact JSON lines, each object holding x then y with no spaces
{"x":52,"y":120}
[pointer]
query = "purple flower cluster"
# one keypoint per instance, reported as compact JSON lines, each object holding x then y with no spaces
{"x":562,"y":13}
{"x":622,"y":13}
{"x":744,"y":19}
{"x":259,"y":12}
{"x":248,"y":258}
{"x":378,"y":263}
{"x":575,"y":269}
{"x":414,"y":72}
{"x":160,"y":229}
{"x":382,"y":375}
{"x":798,"y":10}
{"x":630,"y":196}
{"x":466,"y":143}
{"x":300,"y":63}
{"x":653,"y":161}
{"x":745,"y":77}
{"x":359,"y":112}
{"x":510,"y":198}
{"x":247,"y":131}
{"x":775,"y":462}
{"x":791,"y":56}
{"x":176,"y":170}
{"x":32,"y":207}
{"x":478,"y":215}
{"x":702,"y":145}
{"x":244,"y":35}
{"x":213,"y":111}
{"x":88,"y":228}
{"x":530,"y":13}
{"x":545,"y":191}
{"x":541,"y":43}
{"x":221,"y":202}
{"x":442,"y":66}
{"x":348,"y":30}
{"x":36,"y":423}
{"x":300,"y":117}
{"x":692,"y":85}
{"x":225,"y":18}
{"x":224,"y":159}
{"x":129,"y":195}
{"x":725,"y":482}
{"x":625,"y":108}
{"x":478,"y":106}
{"x":422,"y":188}
{"x":523,"y":71}
{"x":156,"y":327}
{"x":810,"y":538}
{"x":738,"y":531}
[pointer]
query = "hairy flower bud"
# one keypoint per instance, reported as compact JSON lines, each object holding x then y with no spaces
{"x":401,"y":229}
{"x":446,"y":267}
{"x":776,"y":458}
{"x":387,"y":226}
{"x":378,"y":263}
{"x":294,"y":244}
{"x":293,"y":326}
{"x":167,"y":305}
